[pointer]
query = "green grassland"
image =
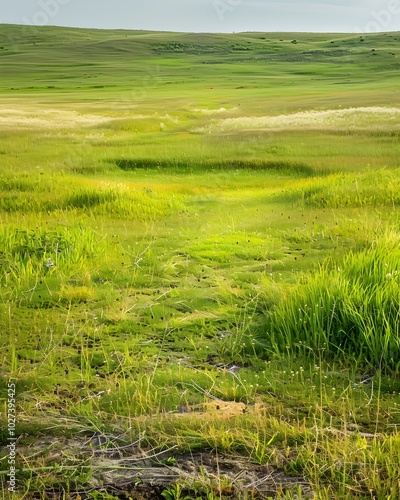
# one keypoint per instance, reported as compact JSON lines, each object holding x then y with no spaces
{"x":200,"y":257}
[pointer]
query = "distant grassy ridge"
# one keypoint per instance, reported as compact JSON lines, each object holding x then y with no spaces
{"x":57,"y":58}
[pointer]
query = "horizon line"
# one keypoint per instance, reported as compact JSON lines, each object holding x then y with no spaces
{"x":200,"y":32}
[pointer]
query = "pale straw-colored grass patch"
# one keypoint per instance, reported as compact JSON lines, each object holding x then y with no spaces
{"x":213,"y":111}
{"x":47,"y":118}
{"x":349,"y":118}
{"x":24,"y":117}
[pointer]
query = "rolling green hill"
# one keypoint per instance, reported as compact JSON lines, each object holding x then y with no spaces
{"x":249,"y":66}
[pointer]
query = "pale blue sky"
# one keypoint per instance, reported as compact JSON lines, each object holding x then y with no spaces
{"x":208,"y":15}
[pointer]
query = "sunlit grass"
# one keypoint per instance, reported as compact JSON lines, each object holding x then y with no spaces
{"x":346,"y":310}
{"x":370,"y":188}
{"x":202,"y":264}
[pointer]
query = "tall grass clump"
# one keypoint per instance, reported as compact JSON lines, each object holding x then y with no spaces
{"x":31,"y":256}
{"x":351,"y":310}
{"x":370,"y":188}
{"x":122,"y":203}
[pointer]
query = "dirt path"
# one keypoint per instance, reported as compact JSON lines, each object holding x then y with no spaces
{"x":132,"y":472}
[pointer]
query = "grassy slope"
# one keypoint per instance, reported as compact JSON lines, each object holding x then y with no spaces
{"x":172,"y":247}
{"x":316,"y":65}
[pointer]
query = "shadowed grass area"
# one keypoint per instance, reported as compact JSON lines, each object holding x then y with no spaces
{"x":185,"y":165}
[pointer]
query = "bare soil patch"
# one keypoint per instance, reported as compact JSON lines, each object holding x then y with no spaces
{"x":131,"y":471}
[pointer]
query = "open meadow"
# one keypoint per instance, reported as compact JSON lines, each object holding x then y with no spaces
{"x":200,"y":264}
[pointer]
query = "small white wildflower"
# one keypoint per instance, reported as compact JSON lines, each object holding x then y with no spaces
{"x":49,"y":263}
